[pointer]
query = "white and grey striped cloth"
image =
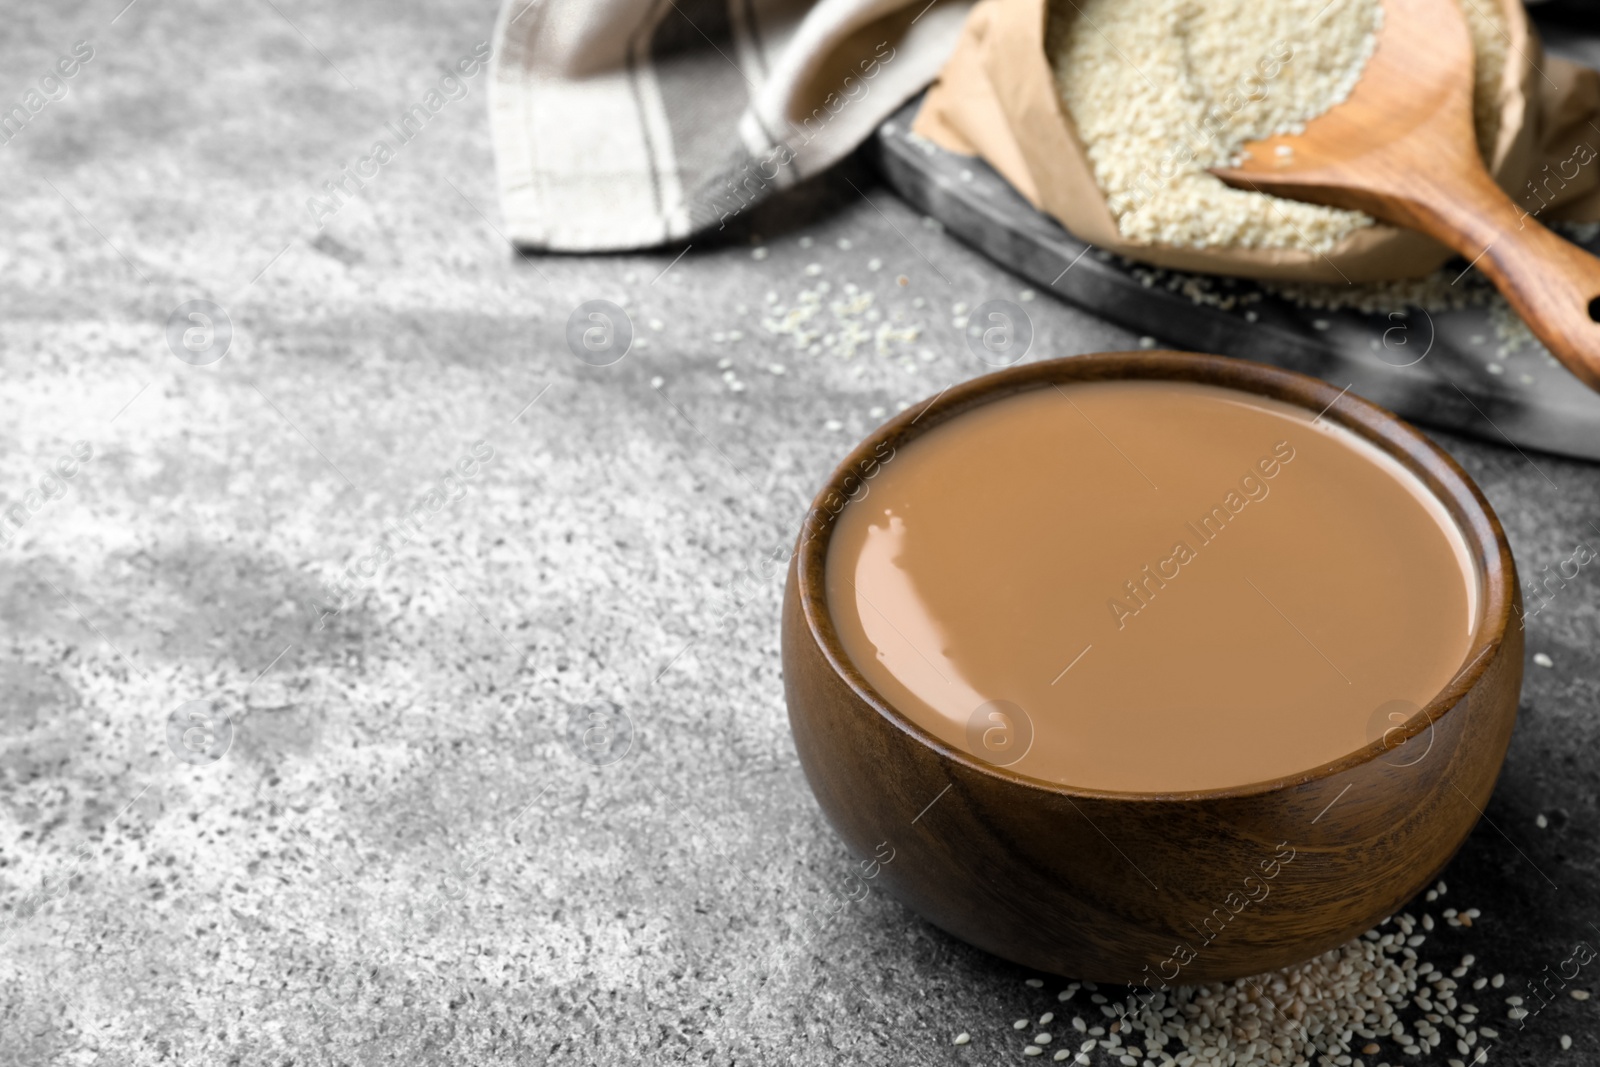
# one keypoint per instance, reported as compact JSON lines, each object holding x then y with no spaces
{"x":630,"y":123}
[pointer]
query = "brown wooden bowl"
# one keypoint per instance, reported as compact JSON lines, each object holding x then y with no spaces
{"x":1148,"y":888}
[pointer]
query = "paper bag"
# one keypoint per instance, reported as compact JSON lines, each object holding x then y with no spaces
{"x":997,"y":98}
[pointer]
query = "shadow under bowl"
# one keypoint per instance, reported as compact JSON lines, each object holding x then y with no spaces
{"x":1154,"y":888}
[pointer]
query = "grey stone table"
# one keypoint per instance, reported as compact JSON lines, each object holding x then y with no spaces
{"x":304,"y":643}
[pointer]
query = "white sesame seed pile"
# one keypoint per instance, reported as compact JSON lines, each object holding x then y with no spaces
{"x":844,"y":321}
{"x":1369,"y":1003}
{"x":1139,"y":77}
{"x":1431,"y":293}
{"x":840,"y":324}
{"x":1446,"y":289}
{"x":1199,"y":288}
{"x":1161,"y":90}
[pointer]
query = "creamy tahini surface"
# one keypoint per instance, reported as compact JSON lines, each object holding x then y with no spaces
{"x":1150,"y":586}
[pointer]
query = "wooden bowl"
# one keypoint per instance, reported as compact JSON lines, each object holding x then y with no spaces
{"x":1154,"y":888}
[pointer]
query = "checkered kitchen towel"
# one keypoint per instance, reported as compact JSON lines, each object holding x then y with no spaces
{"x":630,"y":123}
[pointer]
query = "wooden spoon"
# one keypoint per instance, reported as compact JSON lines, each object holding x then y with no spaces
{"x":1401,"y":148}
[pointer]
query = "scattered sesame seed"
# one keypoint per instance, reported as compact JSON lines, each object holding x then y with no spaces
{"x":1540,"y":821}
{"x":806,"y":242}
{"x":657,"y":382}
{"x":1147,"y":342}
{"x":1025,"y":296}
{"x":1320,"y":324}
{"x":1020,"y":1024}
{"x":1047,"y":1018}
{"x":844,"y":244}
{"x":1543,"y":660}
{"x":1035,"y":983}
{"x":835,"y":425}
{"x":1322,"y":1011}
{"x":1062,"y":1054}
{"x":813,"y":269}
{"x":758,"y":253}
{"x":1580,"y":994}
{"x":1495,"y":368}
{"x":1032,"y":1050}
{"x":962,"y":1038}
{"x":874,"y":264}
{"x":1566,"y":1042}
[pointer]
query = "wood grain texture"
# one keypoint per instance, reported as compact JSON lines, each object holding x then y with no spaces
{"x":1401,"y":148}
{"x":1114,"y":886}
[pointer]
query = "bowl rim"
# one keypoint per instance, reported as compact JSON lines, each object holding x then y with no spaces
{"x":1444,"y":478}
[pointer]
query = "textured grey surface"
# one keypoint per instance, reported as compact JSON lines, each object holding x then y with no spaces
{"x":401,"y":859}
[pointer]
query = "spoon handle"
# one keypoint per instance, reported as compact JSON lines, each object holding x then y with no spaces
{"x":1550,"y":282}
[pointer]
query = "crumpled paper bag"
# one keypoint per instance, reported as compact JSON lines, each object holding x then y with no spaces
{"x":997,"y":98}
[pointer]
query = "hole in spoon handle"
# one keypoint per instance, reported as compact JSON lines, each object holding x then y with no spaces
{"x":1554,"y":286}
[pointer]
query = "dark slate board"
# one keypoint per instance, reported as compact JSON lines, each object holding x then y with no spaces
{"x":1433,"y":368}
